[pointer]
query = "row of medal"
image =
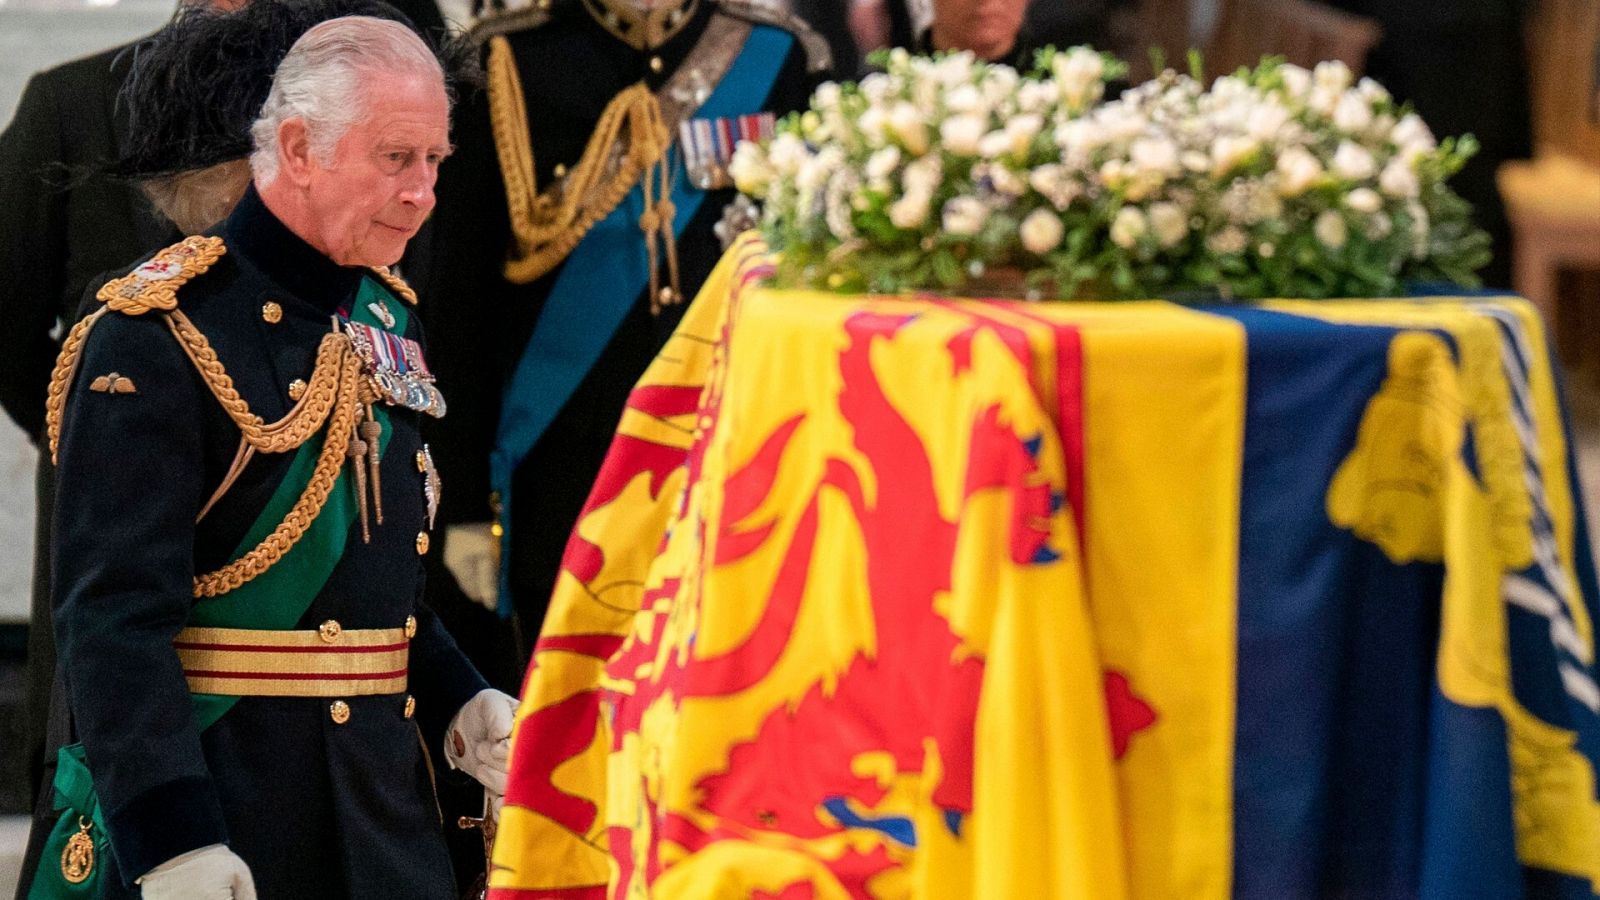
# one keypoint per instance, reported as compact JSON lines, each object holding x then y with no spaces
{"x":395,"y":364}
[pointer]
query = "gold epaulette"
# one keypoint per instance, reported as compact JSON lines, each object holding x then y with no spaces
{"x":152,"y":285}
{"x":334,"y":397}
{"x":509,"y":21}
{"x":819,"y":58}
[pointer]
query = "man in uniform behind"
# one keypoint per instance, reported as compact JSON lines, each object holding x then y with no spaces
{"x":582,"y":209}
{"x":243,"y":500}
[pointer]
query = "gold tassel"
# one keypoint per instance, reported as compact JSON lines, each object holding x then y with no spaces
{"x":371,"y":433}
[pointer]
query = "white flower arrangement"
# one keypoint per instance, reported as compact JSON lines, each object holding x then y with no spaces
{"x":941,"y":172}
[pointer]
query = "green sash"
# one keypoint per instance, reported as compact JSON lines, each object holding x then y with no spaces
{"x":275,"y":600}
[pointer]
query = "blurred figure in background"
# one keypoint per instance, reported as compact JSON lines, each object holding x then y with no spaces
{"x":1008,"y":31}
{"x":1464,"y":66}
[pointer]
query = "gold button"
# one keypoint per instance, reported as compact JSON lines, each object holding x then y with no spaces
{"x":297,"y":389}
{"x":411,"y":706}
{"x":411,"y":627}
{"x":329,"y":631}
{"x":561,"y":170}
{"x":655,"y":64}
{"x":422,"y":543}
{"x":339,"y":712}
{"x":272,"y":312}
{"x":422,"y":461}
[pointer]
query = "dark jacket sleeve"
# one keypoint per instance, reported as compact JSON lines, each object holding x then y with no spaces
{"x":129,"y":482}
{"x":442,"y":679}
{"x":33,"y":249}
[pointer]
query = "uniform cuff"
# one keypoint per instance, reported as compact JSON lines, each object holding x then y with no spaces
{"x":164,"y":822}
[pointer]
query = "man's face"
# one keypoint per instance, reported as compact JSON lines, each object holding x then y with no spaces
{"x":986,"y":27}
{"x":378,"y":189}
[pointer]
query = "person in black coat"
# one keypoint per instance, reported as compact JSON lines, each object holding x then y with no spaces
{"x":1011,"y":32}
{"x":63,"y":221}
{"x":575,"y":67}
{"x":238,"y":589}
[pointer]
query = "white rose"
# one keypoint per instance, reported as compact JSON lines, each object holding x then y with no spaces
{"x":954,"y":69}
{"x":1036,"y":96}
{"x":1022,"y":130}
{"x":1397,"y":180}
{"x":1128,"y":226}
{"x":1267,"y":250}
{"x":875,"y":87}
{"x":1332,"y":75}
{"x":909,"y":125}
{"x":1374,"y":92}
{"x":1229,"y":240}
{"x":1296,"y":81}
{"x":786,"y":154}
{"x":1412,"y":131}
{"x":1041,"y":232}
{"x":994,"y":144}
{"x":964,"y":215}
{"x":873,"y":126}
{"x":1323,"y":100}
{"x":922,"y":176}
{"x":826,"y":96}
{"x":964,"y":99}
{"x":1227,"y":152}
{"x":1078,"y":74}
{"x":1054,"y":183}
{"x":1154,"y":155}
{"x":1297,"y":171}
{"x":960,"y":134}
{"x":1113,"y":173}
{"x":911,"y":210}
{"x":750,"y":170}
{"x":1352,"y":114}
{"x":1000,"y":86}
{"x":1364,"y":200}
{"x":1169,"y":223}
{"x":882,"y":163}
{"x":1330,"y":229}
{"x":1006,"y":181}
{"x":1195,"y":161}
{"x":1266,"y":122}
{"x":1353,"y":162}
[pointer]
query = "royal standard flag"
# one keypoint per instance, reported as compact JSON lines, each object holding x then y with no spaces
{"x":882,"y":598}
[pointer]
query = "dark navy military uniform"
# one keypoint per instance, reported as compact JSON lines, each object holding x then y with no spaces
{"x":570,"y":68}
{"x":318,"y":807}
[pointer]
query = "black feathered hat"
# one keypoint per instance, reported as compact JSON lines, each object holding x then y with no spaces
{"x":195,"y":87}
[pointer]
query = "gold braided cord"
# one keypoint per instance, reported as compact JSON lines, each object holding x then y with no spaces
{"x":341,"y":427}
{"x":395,"y":284}
{"x":302,"y":421}
{"x":547,"y":226}
{"x":55,"y":401}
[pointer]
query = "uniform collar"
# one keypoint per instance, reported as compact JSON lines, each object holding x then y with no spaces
{"x":252,"y":231}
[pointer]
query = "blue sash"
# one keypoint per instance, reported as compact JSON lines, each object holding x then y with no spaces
{"x":598,"y":285}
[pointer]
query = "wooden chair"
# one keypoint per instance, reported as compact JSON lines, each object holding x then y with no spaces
{"x":1303,"y":31}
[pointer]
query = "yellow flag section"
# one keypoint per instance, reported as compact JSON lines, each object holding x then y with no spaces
{"x":875,"y":556}
{"x":1507,"y":535}
{"x":552,"y":840}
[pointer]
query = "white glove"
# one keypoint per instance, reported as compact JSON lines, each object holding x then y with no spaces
{"x":209,"y":873}
{"x":478,"y":741}
{"x":470,"y":553}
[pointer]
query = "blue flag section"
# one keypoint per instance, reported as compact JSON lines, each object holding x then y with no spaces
{"x":1433,"y":732}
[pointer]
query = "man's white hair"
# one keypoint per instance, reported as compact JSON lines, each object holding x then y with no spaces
{"x":324,"y":79}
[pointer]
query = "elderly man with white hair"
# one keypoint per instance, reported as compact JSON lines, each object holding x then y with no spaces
{"x":243,"y":503}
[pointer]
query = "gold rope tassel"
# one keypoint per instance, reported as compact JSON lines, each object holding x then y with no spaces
{"x":372,"y":433}
{"x":547,"y":227}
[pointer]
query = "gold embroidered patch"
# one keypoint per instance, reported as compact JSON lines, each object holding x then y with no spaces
{"x":154,"y":283}
{"x":113,"y":383}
